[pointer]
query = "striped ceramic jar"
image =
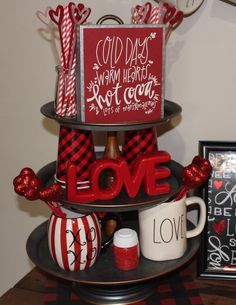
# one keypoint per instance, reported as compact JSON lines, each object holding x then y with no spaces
{"x":74,"y":241}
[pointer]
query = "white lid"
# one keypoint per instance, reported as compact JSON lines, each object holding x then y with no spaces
{"x":125,"y":238}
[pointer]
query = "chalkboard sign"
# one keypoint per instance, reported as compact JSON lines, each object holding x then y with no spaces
{"x":218,"y":248}
{"x":120,"y":73}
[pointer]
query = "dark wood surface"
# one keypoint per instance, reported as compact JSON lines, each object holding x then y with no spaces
{"x":30,"y":289}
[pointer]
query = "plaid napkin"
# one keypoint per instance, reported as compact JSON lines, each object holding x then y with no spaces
{"x":177,"y":288}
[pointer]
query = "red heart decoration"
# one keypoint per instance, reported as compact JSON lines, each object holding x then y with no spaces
{"x":177,"y":19}
{"x":57,"y":15}
{"x":141,"y":14}
{"x":219,"y":227}
{"x":78,"y":14}
{"x":170,"y":12}
{"x":218,"y":184}
{"x":196,"y":173}
{"x":203,"y":163}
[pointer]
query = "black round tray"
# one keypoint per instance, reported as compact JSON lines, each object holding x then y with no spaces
{"x":104,"y":272}
{"x":122,"y":202}
{"x":171,"y":109}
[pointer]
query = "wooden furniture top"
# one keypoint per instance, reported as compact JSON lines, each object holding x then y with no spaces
{"x":30,"y":289}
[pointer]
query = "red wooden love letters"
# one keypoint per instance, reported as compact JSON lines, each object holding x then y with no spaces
{"x":147,"y":172}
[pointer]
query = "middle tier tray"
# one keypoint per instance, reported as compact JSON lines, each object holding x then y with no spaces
{"x":122,"y":202}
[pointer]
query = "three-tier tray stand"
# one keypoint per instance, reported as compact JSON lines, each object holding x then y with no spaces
{"x":103,"y":283}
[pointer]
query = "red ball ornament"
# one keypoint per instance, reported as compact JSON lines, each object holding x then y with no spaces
{"x":196,"y":173}
{"x":17,"y":180}
{"x":20,"y":189}
{"x":203,"y":164}
{"x":26,"y":179}
{"x":35,"y":183}
{"x":27,"y":171}
{"x":31,"y":194}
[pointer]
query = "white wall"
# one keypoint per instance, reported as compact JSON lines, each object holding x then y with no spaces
{"x":201,"y":77}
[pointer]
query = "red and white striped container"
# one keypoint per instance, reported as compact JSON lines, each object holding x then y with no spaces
{"x":74,"y":241}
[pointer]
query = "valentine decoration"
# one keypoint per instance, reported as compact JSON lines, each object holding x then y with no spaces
{"x":147,"y":171}
{"x":66,"y":19}
{"x":163,"y":228}
{"x":137,"y":142}
{"x":218,"y":255}
{"x":75,"y":146}
{"x":187,"y":6}
{"x":126,"y":249}
{"x":124,"y":73}
{"x":194,"y":175}
{"x":28,"y":185}
{"x":76,"y":240}
{"x":110,"y":79}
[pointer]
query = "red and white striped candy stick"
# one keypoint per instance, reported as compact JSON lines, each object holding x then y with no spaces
{"x":57,"y":17}
{"x":78,"y":15}
{"x":70,"y":90}
{"x":66,"y":18}
{"x":66,"y":28}
{"x":157,"y":14}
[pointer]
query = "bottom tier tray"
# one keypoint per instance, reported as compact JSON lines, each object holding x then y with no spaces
{"x":103,"y":283}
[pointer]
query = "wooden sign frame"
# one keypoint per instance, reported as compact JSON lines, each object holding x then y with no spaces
{"x":120,"y":73}
{"x":217,"y":255}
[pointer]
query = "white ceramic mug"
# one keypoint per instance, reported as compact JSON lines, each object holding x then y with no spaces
{"x":163,"y":228}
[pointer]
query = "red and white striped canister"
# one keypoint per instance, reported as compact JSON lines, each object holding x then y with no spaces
{"x":74,"y":241}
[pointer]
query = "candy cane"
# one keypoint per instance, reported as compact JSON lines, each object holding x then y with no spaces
{"x":66,"y":19}
{"x":65,"y":30}
{"x":78,"y":15}
{"x":157,"y":13}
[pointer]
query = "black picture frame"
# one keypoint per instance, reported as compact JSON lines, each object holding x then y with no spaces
{"x":217,"y":254}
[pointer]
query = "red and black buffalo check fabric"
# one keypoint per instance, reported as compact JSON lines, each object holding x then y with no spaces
{"x":177,"y":288}
{"x":138,"y":142}
{"x":77,"y":146}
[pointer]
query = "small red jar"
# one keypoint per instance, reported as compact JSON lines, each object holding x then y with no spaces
{"x":126,"y":249}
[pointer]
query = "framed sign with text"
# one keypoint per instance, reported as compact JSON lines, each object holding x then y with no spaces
{"x":120,"y":73}
{"x":218,"y":247}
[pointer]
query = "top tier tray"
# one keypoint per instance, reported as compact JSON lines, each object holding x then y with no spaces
{"x":171,"y":109}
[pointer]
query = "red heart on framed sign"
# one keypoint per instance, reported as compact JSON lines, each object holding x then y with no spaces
{"x":218,"y":184}
{"x":219,"y":227}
